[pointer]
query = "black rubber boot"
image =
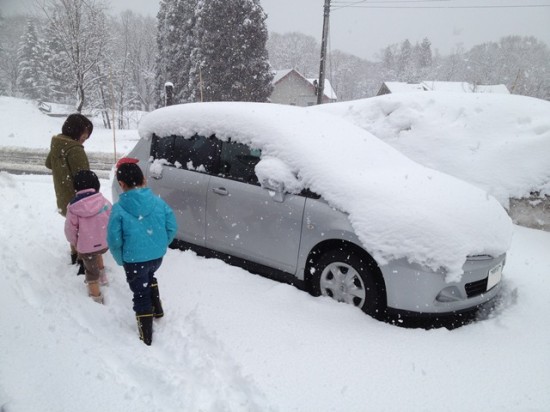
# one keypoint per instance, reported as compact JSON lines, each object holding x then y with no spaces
{"x":74,"y":258}
{"x":81,"y":269}
{"x":145,"y":327}
{"x":155,"y":298}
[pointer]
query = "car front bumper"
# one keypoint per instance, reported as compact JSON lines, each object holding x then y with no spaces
{"x":416,"y":289}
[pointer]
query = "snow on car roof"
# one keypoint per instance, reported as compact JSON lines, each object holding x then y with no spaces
{"x":398,"y":208}
{"x":497,"y":142}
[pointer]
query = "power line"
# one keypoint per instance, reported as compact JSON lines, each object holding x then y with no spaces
{"x":375,"y":5}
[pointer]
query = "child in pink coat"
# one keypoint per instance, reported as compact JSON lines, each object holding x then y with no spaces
{"x":86,"y":228}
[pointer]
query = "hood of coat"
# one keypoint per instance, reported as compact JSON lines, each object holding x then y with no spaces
{"x":61,"y":142}
{"x":90,"y":205}
{"x":139,"y":202}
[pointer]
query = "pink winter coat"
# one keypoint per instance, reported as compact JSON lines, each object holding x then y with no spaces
{"x":86,"y":222}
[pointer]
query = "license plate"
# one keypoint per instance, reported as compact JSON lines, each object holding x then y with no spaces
{"x":495,"y":276}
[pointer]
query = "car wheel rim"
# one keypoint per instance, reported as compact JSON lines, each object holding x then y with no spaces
{"x":343,"y":283}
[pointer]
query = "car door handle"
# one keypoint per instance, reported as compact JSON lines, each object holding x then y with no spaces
{"x":220,"y":191}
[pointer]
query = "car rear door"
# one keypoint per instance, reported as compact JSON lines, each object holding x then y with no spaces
{"x":179,"y":175}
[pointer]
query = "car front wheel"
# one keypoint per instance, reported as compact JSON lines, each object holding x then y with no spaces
{"x":349,"y":277}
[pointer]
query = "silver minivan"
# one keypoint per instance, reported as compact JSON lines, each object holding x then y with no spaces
{"x":241,"y":194}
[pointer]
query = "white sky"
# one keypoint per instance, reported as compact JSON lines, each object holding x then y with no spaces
{"x":365,"y":31}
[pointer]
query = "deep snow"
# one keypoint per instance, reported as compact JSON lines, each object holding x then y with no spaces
{"x":233,"y":341}
{"x":498,"y":142}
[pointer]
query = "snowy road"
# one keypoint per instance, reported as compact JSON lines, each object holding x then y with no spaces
{"x":25,"y":160}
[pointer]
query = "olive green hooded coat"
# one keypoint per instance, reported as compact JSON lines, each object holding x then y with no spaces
{"x":66,"y":158}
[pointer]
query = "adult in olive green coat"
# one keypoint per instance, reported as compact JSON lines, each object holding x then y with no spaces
{"x":67,"y":157}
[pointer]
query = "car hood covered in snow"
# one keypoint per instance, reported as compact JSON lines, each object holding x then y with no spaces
{"x":398,"y":208}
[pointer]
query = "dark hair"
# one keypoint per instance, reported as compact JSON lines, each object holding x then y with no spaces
{"x":86,"y":179}
{"x":130,"y":174}
{"x":75,"y":125}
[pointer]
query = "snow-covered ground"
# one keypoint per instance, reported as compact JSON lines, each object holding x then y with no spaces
{"x":233,"y":341}
{"x":22,"y":125}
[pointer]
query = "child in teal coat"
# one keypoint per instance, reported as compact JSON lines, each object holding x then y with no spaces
{"x":140,"y":229}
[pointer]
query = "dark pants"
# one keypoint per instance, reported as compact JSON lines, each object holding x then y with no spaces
{"x":140,"y":276}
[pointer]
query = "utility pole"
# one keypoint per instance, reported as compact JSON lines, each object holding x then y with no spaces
{"x":321,"y":82}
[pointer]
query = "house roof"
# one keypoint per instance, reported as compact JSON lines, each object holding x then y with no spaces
{"x":401,"y":87}
{"x":458,"y":87}
{"x":328,"y":90}
{"x":279,"y":74}
{"x":464,"y":87}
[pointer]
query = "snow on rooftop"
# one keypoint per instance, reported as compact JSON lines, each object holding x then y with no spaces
{"x":328,"y":90}
{"x":400,"y":87}
{"x":441,"y":86}
{"x":463,"y":87}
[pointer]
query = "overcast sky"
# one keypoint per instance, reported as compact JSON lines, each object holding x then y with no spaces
{"x":368,"y":26}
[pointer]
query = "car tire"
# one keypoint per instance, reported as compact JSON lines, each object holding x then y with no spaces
{"x":349,"y":277}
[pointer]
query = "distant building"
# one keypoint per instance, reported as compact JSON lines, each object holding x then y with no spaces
{"x":456,"y":87}
{"x":290,"y":87}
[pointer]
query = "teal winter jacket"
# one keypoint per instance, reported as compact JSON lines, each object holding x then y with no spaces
{"x":141,"y":227}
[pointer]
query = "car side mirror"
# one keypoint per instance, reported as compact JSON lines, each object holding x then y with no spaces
{"x":276,"y":189}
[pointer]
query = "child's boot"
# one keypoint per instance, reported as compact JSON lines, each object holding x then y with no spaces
{"x":81,"y":269}
{"x":94,"y":292}
{"x":145,"y":327}
{"x":155,"y":297}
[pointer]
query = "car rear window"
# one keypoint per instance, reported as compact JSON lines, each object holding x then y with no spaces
{"x":196,"y":153}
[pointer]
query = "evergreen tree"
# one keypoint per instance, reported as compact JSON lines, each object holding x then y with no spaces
{"x":425,"y":53}
{"x":175,"y":44}
{"x":232,"y":52}
{"x":31,"y":70}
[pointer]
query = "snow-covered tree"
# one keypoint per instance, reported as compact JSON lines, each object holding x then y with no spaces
{"x":232,"y":52}
{"x":31,"y":69}
{"x":424,"y":57}
{"x":78,"y":30}
{"x":213,"y":50}
{"x":405,"y":61}
{"x":58,"y":86}
{"x":141,"y":52}
{"x":11,"y":30}
{"x":521,"y":63}
{"x":175,"y":43}
{"x":294,"y":51}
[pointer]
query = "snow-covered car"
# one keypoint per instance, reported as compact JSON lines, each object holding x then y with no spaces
{"x":321,"y":202}
{"x":497,"y":142}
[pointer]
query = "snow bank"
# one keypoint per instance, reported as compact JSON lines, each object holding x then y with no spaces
{"x":500,"y":143}
{"x":22,"y":125}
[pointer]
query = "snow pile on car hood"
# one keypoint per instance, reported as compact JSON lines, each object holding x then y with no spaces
{"x":398,"y":208}
{"x":498,"y":142}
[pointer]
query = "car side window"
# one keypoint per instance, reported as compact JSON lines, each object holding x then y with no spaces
{"x":237,"y":161}
{"x":197,"y":153}
{"x":163,"y":148}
